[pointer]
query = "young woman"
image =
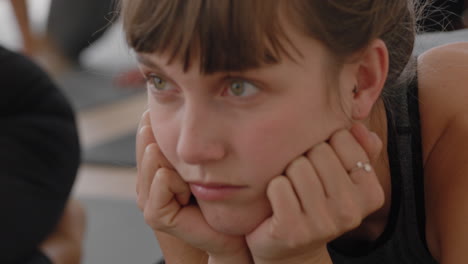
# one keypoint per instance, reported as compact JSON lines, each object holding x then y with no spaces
{"x":273,"y":115}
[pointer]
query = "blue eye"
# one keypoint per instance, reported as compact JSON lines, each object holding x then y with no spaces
{"x":241,"y":88}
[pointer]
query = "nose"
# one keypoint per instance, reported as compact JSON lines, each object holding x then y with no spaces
{"x":200,"y":139}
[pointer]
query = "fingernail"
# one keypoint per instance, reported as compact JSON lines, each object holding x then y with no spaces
{"x":141,"y":129}
{"x":148,"y":148}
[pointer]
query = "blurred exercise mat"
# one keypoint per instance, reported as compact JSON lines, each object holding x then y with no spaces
{"x":89,"y":88}
{"x":121,"y":151}
{"x":117,"y":233}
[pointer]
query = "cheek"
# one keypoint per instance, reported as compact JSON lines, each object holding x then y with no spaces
{"x":272,"y":144}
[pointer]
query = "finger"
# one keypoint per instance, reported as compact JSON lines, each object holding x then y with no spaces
{"x":368,"y":192}
{"x":148,"y":169}
{"x":162,"y":207}
{"x":145,"y":119}
{"x":368,"y":186}
{"x":162,"y":160}
{"x":306,"y":183}
{"x":164,"y":212}
{"x":330,"y":171}
{"x":143,"y":139}
{"x":370,"y":142}
{"x":348,"y":149}
{"x":144,"y":136}
{"x":284,"y":202}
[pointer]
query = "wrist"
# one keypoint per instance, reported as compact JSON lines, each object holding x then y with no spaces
{"x":239,"y":257}
{"x":321,"y":257}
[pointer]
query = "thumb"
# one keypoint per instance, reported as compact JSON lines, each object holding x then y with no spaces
{"x":370,"y":141}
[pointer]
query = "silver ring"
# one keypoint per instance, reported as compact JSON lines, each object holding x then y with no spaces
{"x":366,"y":166}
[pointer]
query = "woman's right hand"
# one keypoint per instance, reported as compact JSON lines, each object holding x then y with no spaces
{"x":164,"y":198}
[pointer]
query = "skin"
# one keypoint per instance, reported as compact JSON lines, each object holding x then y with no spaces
{"x":196,"y":136}
{"x":192,"y":120}
{"x":235,"y":140}
{"x":64,"y":244}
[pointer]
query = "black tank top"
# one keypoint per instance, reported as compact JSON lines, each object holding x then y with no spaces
{"x":403,"y":240}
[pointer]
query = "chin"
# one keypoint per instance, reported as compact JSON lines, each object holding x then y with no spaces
{"x":233,"y":229}
{"x":235,"y":221}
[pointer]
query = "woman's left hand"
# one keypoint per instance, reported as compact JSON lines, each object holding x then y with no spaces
{"x":322,"y":195}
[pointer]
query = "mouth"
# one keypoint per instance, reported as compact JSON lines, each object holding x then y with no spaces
{"x":214,"y":191}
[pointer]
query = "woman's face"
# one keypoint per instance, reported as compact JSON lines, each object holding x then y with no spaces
{"x":229,"y":134}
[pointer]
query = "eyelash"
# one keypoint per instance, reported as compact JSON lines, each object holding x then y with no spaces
{"x":149,"y":77}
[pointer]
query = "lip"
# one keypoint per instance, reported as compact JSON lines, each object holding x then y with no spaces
{"x":214,"y":191}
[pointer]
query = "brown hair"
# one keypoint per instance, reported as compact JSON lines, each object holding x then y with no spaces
{"x":233,"y":35}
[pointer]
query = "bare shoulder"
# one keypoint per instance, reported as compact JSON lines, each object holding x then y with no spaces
{"x":443,"y":94}
{"x":443,"y":89}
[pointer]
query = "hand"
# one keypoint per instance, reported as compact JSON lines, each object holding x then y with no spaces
{"x":64,"y":245}
{"x":164,"y":199}
{"x":322,"y":196}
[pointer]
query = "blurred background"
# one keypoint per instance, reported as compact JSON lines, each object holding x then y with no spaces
{"x":75,"y":42}
{"x":85,"y":53}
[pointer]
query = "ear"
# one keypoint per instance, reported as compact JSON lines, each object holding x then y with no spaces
{"x":372,"y":69}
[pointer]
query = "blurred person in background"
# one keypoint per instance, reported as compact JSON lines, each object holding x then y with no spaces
{"x":74,"y":25}
{"x":39,"y":158}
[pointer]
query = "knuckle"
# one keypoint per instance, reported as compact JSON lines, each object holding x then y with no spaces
{"x":145,"y":117}
{"x":331,"y":232}
{"x":349,"y":216}
{"x":298,"y":241}
{"x":275,"y":184}
{"x":151,"y":149}
{"x":291,"y":238}
{"x":376,"y":199}
{"x":326,"y":230}
{"x":318,"y":150}
{"x":339,"y":137}
{"x":303,"y":237}
{"x":152,"y":219}
{"x":143,"y":130}
{"x":162,"y":176}
{"x":296,"y":165}
{"x":140,"y":203}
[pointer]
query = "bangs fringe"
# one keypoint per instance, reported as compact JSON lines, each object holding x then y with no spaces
{"x":225,"y":35}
